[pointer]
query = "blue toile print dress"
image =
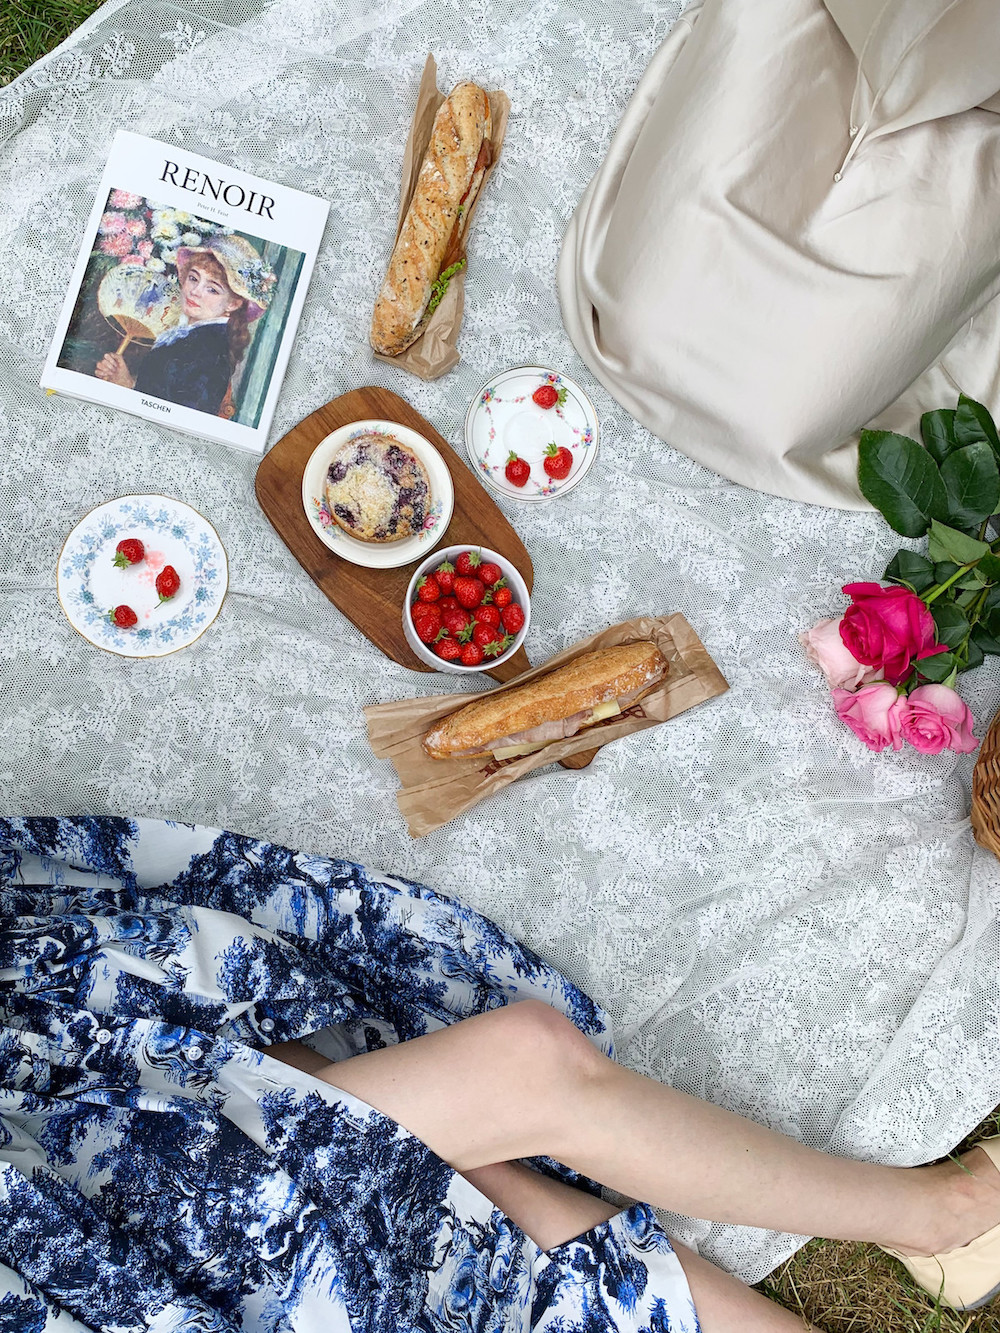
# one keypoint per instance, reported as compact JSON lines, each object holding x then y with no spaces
{"x":160,"y":1172}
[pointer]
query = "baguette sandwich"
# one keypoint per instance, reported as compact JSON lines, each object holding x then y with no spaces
{"x":518,"y":721}
{"x":431,"y":245}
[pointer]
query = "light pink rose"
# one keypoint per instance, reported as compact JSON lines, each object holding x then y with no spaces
{"x":888,"y":628}
{"x":874,"y":713}
{"x":125,"y":199}
{"x":936,"y":719}
{"x":825,"y":647}
{"x":117,"y":245}
{"x":132,"y":259}
{"x":136,"y":226}
{"x":112,"y":223}
{"x":145,"y":248}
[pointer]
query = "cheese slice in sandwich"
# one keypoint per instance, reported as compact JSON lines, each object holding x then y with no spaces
{"x":551,"y":707}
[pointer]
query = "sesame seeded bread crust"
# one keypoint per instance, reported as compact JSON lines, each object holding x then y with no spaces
{"x":589,"y":680}
{"x":451,"y":167}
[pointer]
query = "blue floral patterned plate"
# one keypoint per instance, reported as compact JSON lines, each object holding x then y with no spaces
{"x":89,"y":585}
{"x":504,"y":418}
{"x":373,"y":554}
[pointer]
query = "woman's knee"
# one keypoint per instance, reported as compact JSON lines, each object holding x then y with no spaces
{"x":554,"y":1044}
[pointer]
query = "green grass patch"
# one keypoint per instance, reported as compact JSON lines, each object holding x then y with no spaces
{"x":31,"y":28}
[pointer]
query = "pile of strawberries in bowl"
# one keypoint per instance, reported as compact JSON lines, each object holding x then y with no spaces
{"x":466,"y":609}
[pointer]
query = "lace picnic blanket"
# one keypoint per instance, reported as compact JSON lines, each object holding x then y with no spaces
{"x":774,"y":918}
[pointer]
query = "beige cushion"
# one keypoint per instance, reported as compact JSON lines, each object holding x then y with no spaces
{"x":745,"y":306}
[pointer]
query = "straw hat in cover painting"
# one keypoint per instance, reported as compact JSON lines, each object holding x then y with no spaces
{"x":796,"y":233}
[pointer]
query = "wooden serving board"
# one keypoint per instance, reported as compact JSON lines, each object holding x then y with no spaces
{"x":372,"y":599}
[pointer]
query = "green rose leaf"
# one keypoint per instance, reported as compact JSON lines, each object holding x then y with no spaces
{"x":989,"y":567}
{"x":937,"y":430}
{"x":947,"y":544}
{"x":912,"y":570}
{"x":937,"y":668}
{"x":984,"y":640}
{"x":901,"y":480}
{"x":950,"y":622}
{"x":989,"y":619}
{"x":973,"y":423}
{"x":971,"y":483}
{"x":944,"y":569}
{"x":973,"y":654}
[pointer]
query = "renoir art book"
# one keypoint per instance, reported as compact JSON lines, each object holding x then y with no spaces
{"x":186,"y":292}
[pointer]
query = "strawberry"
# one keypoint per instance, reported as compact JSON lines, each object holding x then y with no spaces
{"x":469,"y":592}
{"x":455,"y":621}
{"x":445,"y":575}
{"x":426,"y":612}
{"x":448,"y":603}
{"x":168,"y":582}
{"x":467,"y":563}
{"x":472,"y":654}
{"x":448,"y":649}
{"x":485,"y":635}
{"x":129,"y":552}
{"x":498,"y":646}
{"x":557,"y":461}
{"x":428,"y":589}
{"x":513,"y":618}
{"x":487,"y":615}
{"x":124,"y":617}
{"x":489,"y":573}
{"x":502,"y":597}
{"x":427,"y":627}
{"x":547,"y":395}
{"x":517,"y":470}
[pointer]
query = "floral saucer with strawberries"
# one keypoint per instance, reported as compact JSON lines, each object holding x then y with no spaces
{"x":531,"y":433}
{"x":142,"y":576}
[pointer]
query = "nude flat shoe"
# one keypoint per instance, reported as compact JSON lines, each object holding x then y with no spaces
{"x":968,"y":1277}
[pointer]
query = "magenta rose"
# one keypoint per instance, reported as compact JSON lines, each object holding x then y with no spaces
{"x":888,"y":628}
{"x":825,"y":647}
{"x":874,"y":713}
{"x":936,"y":719}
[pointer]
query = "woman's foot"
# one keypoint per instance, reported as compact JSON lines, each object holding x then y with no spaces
{"x":964,"y":1202}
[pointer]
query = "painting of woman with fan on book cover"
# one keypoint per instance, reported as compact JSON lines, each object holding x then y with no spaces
{"x":181,"y":309}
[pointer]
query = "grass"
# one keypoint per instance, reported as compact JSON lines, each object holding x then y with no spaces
{"x":843,"y":1287}
{"x":30,"y":28}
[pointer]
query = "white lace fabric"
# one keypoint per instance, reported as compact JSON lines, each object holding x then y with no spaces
{"x":775,"y":918}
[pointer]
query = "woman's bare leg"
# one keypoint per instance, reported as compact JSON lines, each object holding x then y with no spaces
{"x":522,"y":1081}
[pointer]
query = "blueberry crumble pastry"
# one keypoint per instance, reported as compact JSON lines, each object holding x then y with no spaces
{"x":377,"y":490}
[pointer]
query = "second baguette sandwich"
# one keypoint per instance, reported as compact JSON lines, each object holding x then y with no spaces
{"x":431,"y":244}
{"x":594,"y":686}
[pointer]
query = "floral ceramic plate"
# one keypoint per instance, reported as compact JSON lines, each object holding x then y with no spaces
{"x":89,"y":585}
{"x":504,"y":418}
{"x":378,"y":555}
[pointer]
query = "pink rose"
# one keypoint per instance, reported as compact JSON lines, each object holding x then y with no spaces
{"x":145,"y":248}
{"x":874,"y":714}
{"x":125,"y":199}
{"x":136,"y":226}
{"x":132,"y":259}
{"x":825,"y":647}
{"x":112,"y":223}
{"x":117,"y":245}
{"x":936,"y":719}
{"x":888,"y":628}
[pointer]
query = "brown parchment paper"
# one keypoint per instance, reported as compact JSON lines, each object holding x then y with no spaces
{"x":435,"y":352}
{"x":434,"y":791}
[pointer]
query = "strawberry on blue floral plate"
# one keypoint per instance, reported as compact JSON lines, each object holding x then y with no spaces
{"x":531,"y":433}
{"x":142,"y":576}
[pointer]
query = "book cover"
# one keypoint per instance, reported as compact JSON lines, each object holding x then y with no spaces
{"x":186,"y":293}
